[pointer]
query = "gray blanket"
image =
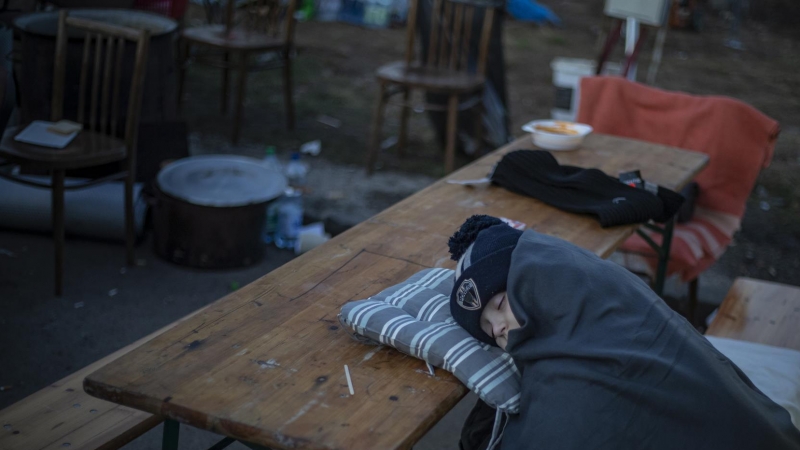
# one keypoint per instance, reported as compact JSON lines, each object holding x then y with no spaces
{"x":607,"y":365}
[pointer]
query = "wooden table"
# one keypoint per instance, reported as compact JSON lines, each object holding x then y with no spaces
{"x":265,"y":363}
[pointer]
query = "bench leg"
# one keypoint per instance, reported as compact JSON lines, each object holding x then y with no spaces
{"x":171,"y":435}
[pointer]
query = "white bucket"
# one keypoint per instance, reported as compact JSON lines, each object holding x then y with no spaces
{"x":567,"y":74}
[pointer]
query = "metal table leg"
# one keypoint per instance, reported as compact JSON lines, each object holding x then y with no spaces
{"x":171,"y":435}
{"x":662,"y":251}
{"x":222,"y":444}
{"x":254,"y":446}
{"x":171,"y":438}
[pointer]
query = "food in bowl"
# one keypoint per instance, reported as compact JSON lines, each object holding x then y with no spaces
{"x":558,"y":128}
{"x":557,"y":135}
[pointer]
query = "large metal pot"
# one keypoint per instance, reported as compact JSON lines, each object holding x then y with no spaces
{"x":94,"y":3}
{"x":34,"y":63}
{"x":210,"y":210}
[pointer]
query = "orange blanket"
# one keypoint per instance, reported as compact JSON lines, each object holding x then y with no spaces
{"x":738,"y":139}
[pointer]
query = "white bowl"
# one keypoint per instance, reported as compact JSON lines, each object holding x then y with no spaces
{"x":557,"y":141}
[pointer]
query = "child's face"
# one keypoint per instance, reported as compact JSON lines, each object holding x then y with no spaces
{"x":497,"y":319}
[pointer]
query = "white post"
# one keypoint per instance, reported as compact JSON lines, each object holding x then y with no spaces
{"x":631,"y":35}
{"x":658,"y":51}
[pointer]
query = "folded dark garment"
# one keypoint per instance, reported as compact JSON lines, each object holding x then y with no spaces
{"x":537,"y":174}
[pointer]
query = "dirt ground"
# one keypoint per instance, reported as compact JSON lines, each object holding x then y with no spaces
{"x":334,"y":77}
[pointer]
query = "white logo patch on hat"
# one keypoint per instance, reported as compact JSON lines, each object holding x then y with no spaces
{"x":467,"y":296}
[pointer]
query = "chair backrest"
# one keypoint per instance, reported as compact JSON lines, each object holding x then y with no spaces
{"x":101,"y":75}
{"x":738,"y":139}
{"x":454,"y":24}
{"x":265,"y":17}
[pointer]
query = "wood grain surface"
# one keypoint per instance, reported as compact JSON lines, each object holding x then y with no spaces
{"x":760,"y":311}
{"x":265,"y":363}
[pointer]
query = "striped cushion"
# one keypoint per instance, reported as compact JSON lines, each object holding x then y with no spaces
{"x":414,"y":317}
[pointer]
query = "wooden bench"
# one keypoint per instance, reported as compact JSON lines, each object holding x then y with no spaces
{"x":62,"y":415}
{"x":760,"y":311}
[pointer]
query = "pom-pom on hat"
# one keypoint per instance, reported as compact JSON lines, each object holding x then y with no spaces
{"x":482,"y":246}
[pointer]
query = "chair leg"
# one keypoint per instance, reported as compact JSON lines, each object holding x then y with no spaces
{"x":237,"y":119}
{"x":58,"y":229}
{"x":288,"y":94}
{"x":479,"y":126}
{"x":692,"y":310}
{"x":452,"y":126}
{"x":404,"y":113}
{"x":377,"y":124}
{"x":183,"y":61}
{"x":130,"y":229}
{"x":225,"y":75}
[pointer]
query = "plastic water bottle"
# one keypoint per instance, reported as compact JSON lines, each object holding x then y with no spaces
{"x":290,"y":218}
{"x":296,"y":172}
{"x":307,"y":8}
{"x":271,"y":159}
{"x":271,"y":223}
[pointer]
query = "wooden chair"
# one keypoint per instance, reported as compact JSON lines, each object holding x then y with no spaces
{"x":738,"y":139}
{"x":101,"y":75}
{"x":261,"y":26}
{"x":445,"y":68}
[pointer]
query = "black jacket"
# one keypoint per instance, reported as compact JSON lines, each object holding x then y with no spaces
{"x":606,"y":364}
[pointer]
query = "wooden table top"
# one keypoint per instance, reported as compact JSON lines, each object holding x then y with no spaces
{"x":264,"y":364}
{"x":759,"y":311}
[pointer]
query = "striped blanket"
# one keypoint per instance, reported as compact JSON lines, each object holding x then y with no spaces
{"x":414,"y":317}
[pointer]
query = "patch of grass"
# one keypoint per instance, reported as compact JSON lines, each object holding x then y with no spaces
{"x":556,"y":39}
{"x":520,"y":42}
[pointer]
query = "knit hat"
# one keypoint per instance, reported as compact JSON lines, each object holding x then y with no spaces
{"x":537,"y":174}
{"x":482,"y":247}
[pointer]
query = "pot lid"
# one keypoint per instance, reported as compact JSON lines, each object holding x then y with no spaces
{"x":45,"y":23}
{"x":221,"y":180}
